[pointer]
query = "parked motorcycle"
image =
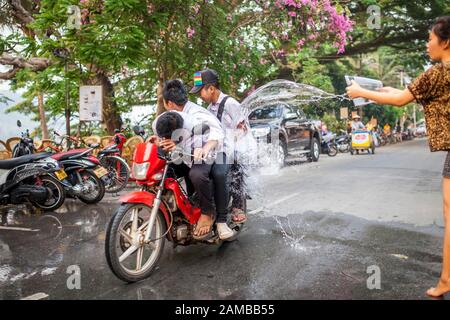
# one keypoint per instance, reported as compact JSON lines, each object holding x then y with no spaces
{"x":25,"y":145}
{"x":136,"y":234}
{"x":407,"y":134}
{"x":383,"y":139}
{"x":376,"y":139}
{"x":33,"y":179}
{"x":329,"y":145}
{"x":84,"y":174}
{"x":343,"y":142}
{"x":118,"y":169}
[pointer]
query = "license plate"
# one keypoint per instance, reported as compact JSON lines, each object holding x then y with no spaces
{"x":61,"y":174}
{"x":100,"y":172}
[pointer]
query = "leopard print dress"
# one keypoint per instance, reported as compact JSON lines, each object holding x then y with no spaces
{"x":432,"y":90}
{"x":446,"y":172}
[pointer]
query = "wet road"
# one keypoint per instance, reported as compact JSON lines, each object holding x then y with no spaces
{"x":314,"y":230}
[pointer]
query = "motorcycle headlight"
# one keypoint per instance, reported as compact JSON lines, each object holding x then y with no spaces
{"x":260,"y":132}
{"x":140,"y":170}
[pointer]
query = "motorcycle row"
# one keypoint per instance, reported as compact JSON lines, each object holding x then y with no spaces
{"x":135,"y":235}
{"x":43,"y":179}
{"x":332,"y":144}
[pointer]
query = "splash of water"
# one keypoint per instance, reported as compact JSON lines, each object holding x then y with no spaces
{"x":286,"y":91}
{"x":291,"y":239}
{"x":262,"y":157}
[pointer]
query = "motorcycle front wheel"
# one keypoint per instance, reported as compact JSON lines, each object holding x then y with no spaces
{"x":344,"y":148}
{"x":332,"y":150}
{"x":129,"y":258}
{"x":119,"y":173}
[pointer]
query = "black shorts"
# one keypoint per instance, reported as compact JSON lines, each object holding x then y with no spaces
{"x":446,"y":172}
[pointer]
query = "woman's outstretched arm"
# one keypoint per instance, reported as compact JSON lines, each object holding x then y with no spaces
{"x":397,"y":98}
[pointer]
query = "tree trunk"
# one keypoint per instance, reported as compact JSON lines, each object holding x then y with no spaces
{"x":111,"y":118}
{"x":44,"y":128}
{"x":159,"y":93}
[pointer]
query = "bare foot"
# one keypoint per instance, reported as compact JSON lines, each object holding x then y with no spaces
{"x":204,"y":224}
{"x":238,"y":215}
{"x":441,"y":289}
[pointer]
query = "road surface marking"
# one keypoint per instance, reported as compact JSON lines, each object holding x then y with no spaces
{"x":282,"y":200}
{"x":18,"y":229}
{"x":36,"y":296}
{"x":274,"y":203}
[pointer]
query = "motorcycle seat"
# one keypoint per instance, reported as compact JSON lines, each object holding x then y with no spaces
{"x":14,"y":162}
{"x":108,"y":151}
{"x":69,"y":154}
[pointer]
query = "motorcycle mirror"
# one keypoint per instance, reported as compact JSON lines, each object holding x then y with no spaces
{"x":94,"y":145}
{"x":161,"y":154}
{"x":19,"y":123}
{"x":139,"y":130}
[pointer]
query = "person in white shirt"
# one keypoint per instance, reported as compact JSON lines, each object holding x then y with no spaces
{"x":231,"y":115}
{"x":200,"y":173}
{"x":357,"y":124}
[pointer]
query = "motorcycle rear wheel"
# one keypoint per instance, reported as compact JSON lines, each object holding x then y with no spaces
{"x":57,"y":194}
{"x":119,"y":232}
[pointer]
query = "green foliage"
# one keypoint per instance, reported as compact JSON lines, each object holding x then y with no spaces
{"x":137,"y":44}
{"x":333,"y":124}
{"x":314,"y":74}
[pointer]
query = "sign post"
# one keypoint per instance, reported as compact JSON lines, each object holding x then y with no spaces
{"x":91,"y":103}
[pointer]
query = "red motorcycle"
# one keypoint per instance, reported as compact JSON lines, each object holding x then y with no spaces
{"x":136,"y":234}
{"x":117,"y":173}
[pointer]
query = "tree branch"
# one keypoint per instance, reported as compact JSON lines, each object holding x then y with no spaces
{"x":18,"y":63}
{"x":8,"y":75}
{"x":370,"y":46}
{"x":20,"y":13}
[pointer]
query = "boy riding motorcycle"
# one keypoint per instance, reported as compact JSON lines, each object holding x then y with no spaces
{"x":177,"y":128}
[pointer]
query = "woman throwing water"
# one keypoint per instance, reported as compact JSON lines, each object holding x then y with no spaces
{"x":432,"y":90}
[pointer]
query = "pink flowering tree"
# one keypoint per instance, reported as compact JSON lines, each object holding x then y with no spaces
{"x":132,"y":46}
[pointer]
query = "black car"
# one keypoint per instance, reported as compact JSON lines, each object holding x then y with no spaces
{"x":287,"y":129}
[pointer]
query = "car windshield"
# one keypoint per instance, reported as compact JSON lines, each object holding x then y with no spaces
{"x":268,"y":112}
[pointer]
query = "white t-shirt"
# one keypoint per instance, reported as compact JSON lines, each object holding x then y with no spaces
{"x":190,"y":120}
{"x":200,"y":113}
{"x":232,"y":112}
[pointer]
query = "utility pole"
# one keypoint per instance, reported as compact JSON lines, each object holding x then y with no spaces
{"x":63,"y":53}
{"x":407,"y":82}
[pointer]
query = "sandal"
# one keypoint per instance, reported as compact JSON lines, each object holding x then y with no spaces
{"x":205,"y":236}
{"x":235,"y":216}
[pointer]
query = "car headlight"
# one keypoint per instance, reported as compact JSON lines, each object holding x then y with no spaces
{"x":260,"y":132}
{"x":140,"y":170}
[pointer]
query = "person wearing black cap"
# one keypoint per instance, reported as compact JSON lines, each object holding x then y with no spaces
{"x":229,"y":113}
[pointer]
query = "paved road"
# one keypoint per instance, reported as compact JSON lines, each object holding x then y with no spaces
{"x":315,"y":229}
